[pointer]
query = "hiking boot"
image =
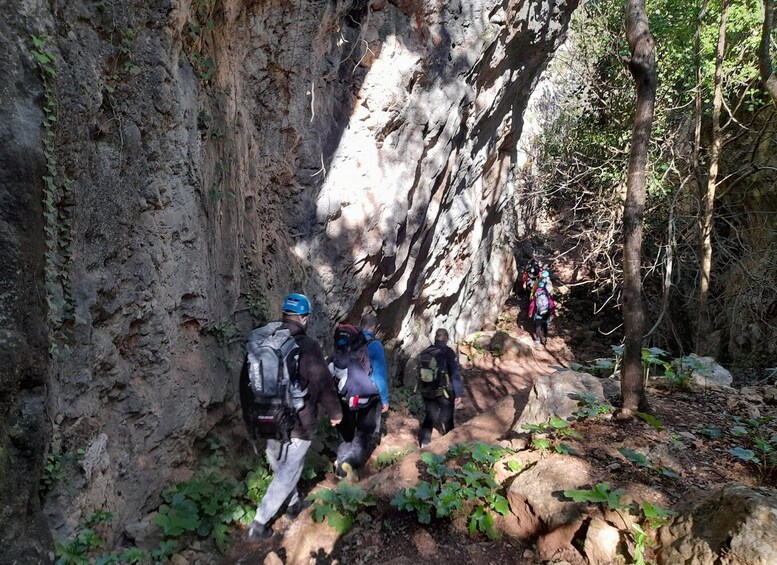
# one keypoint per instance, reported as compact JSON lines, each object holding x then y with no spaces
{"x":258,"y":532}
{"x":346,"y":471}
{"x":294,"y":509}
{"x":537,"y":343}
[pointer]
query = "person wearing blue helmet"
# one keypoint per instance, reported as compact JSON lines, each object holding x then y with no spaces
{"x":287,"y":460}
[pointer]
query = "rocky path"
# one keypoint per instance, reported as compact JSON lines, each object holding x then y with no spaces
{"x":499,"y":366}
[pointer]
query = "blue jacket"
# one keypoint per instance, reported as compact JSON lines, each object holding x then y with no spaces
{"x":378,"y":365}
{"x":453,"y":368}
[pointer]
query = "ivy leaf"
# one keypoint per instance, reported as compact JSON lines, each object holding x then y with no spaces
{"x":652,"y":420}
{"x":747,"y":455}
{"x":340,"y":522}
{"x":501,"y":505}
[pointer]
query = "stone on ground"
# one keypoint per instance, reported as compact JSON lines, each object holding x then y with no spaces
{"x":712,"y":374}
{"x":601,"y":542}
{"x":735,"y":524}
{"x":536,"y":495}
{"x":554,"y":395}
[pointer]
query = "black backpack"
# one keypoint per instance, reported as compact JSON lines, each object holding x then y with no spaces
{"x":351,"y":368}
{"x":272,"y":373}
{"x":433,"y":378}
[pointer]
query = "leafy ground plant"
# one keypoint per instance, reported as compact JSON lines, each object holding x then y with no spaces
{"x":590,"y":407}
{"x":211,"y":501}
{"x":600,"y":494}
{"x":466,"y":484}
{"x":391,"y":456}
{"x":341,"y":505}
{"x":84,"y":548}
{"x":759,"y":443}
{"x":548,"y":434}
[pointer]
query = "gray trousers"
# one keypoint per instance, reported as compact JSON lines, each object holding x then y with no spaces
{"x":286,"y":465}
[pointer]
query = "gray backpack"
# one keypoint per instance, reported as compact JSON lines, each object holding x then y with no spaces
{"x":273,"y":357}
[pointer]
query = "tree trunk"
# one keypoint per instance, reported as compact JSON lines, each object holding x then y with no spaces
{"x":764,"y":53}
{"x":643,"y":68}
{"x":705,"y":268}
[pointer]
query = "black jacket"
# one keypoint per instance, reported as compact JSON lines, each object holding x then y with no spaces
{"x":452,"y":362}
{"x":315,"y":376}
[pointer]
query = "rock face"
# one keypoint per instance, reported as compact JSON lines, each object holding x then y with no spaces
{"x":736,"y":524}
{"x":210,"y":157}
{"x":24,"y":365}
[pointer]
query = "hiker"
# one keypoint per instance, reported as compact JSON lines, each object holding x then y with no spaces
{"x":307,"y":372}
{"x":530,"y":273}
{"x":359,"y":357}
{"x":439,"y":381}
{"x":541,"y":308}
{"x":545,"y":279}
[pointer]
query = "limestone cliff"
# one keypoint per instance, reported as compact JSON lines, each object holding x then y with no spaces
{"x":211,"y":157}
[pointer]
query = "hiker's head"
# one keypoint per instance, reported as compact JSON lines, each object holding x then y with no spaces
{"x":441,"y":335}
{"x":370,"y":323}
{"x":296,"y":307}
{"x":545,"y":274}
{"x":541,"y":285}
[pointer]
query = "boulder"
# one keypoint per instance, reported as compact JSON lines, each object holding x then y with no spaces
{"x":735,"y":524}
{"x":601,"y":542}
{"x":770,"y":395}
{"x":555,"y":394}
{"x":507,"y":348}
{"x":536,"y":495}
{"x":711,"y":374}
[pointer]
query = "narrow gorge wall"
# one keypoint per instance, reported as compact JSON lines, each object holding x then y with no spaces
{"x":211,"y":157}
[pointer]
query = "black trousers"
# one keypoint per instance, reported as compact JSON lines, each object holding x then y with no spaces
{"x":439,"y":414}
{"x":541,"y":328}
{"x":357,"y":431}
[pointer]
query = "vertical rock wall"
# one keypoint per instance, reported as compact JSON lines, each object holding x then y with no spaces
{"x":219,"y":154}
{"x":24,"y":365}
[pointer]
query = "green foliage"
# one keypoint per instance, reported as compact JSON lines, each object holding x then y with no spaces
{"x":656,"y":423}
{"x":408,"y":397}
{"x":600,"y":494}
{"x":341,"y":505}
{"x":57,"y":207}
{"x":656,"y":516}
{"x":56,"y":465}
{"x":636,"y":457}
{"x":391,"y":456}
{"x":759,"y":441}
{"x":590,"y":407}
{"x":641,"y":541}
{"x":451,"y":489}
{"x":211,"y":501}
{"x":204,"y":66}
{"x":254,"y":296}
{"x":550,"y":433}
{"x":84,"y":548}
{"x":225,"y":333}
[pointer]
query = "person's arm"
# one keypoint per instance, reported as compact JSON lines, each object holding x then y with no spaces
{"x":321,"y":383}
{"x":379,"y":371}
{"x":531,"y":308}
{"x":455,"y":372}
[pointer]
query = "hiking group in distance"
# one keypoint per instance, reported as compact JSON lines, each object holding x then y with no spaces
{"x":286,"y":379}
{"x":536,"y":281}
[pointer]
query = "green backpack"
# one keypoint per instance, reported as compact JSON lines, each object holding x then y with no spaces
{"x":433,"y":379}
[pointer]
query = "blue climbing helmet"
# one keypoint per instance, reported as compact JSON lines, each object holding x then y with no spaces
{"x":296,"y":304}
{"x":545,"y":274}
